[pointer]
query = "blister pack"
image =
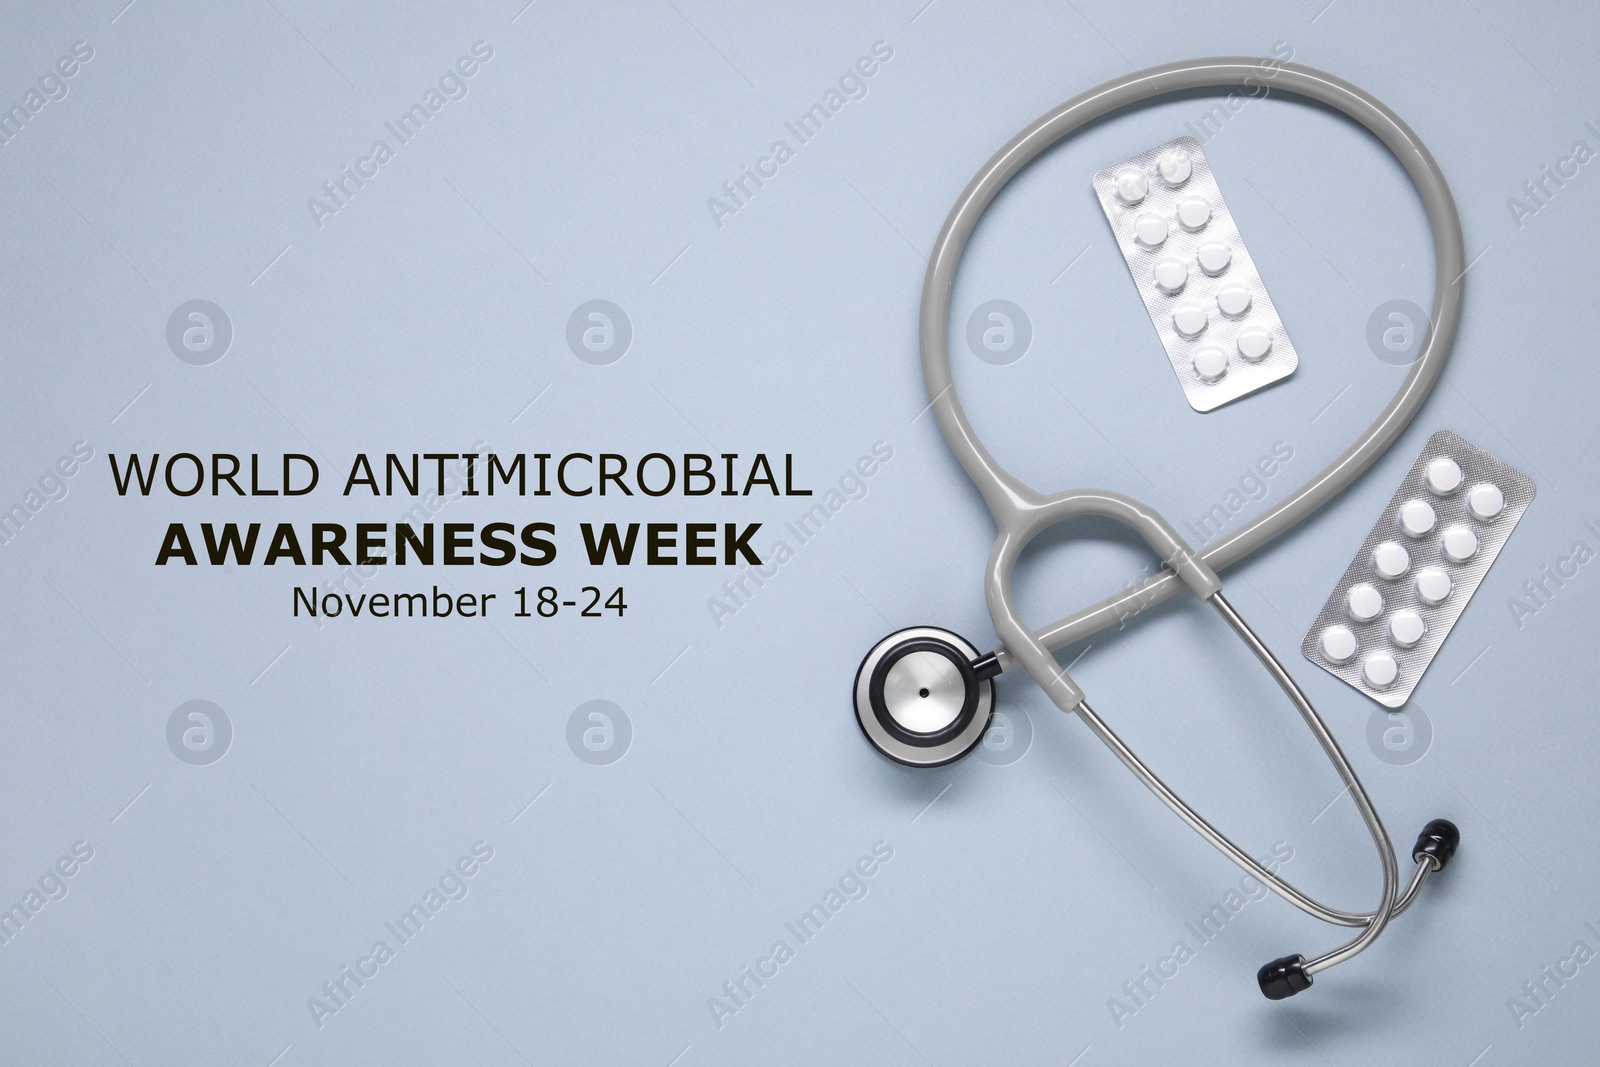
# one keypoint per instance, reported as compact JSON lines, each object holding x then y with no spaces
{"x":1194,"y":274}
{"x":1425,"y":557}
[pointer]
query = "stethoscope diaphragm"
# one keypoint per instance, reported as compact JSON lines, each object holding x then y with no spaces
{"x":918,"y":698}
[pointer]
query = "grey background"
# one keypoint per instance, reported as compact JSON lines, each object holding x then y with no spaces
{"x":428,"y":315}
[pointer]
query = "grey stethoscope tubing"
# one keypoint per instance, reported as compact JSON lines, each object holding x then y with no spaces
{"x":890,"y":674}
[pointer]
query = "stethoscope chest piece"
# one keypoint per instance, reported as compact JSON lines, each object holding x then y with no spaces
{"x":918,"y":698}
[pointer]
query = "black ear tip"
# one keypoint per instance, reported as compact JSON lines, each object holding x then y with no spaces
{"x":1439,"y":841}
{"x":1283,"y":978}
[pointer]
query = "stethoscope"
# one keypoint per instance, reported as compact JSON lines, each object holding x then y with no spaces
{"x":924,"y":695}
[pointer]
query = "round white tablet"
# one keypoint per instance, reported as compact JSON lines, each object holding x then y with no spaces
{"x":1150,"y":229}
{"x":1189,"y":320}
{"x":1364,"y":602}
{"x":1211,"y":363}
{"x":1339,"y":644}
{"x":1417,"y":518}
{"x":1391,"y":560}
{"x":1434,"y":585}
{"x":1406,"y":628}
{"x":1460,"y":544}
{"x":1379,"y":670}
{"x":1444,"y":476}
{"x":1170,"y":276}
{"x":1254,"y":343}
{"x":1214,"y":257}
{"x":1233,"y":300}
{"x":1486,"y":501}
{"x":1132,"y":186}
{"x":1194,"y":212}
{"x":1175,"y":167}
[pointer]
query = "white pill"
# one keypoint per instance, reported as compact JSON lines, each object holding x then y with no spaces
{"x":1132,"y":186}
{"x":1233,"y":300}
{"x":1171,"y":276}
{"x":1434,"y":585}
{"x":1444,"y":476}
{"x":1194,"y":212}
{"x":1406,"y":628}
{"x":1460,"y":544}
{"x":1486,"y":502}
{"x":1364,"y":602}
{"x":1254,"y":343}
{"x":1339,"y":644}
{"x":1190,"y":319}
{"x":1174,"y":167}
{"x":1214,"y":257}
{"x":1211,"y":363}
{"x":1391,"y":560}
{"x":1150,"y":229}
{"x":1379,"y":670}
{"x":1417,"y":518}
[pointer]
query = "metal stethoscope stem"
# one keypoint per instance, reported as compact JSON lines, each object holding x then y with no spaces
{"x":1372,"y":923}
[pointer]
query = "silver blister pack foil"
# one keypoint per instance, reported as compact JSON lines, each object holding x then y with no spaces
{"x":1224,"y":360}
{"x":1411,"y":594}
